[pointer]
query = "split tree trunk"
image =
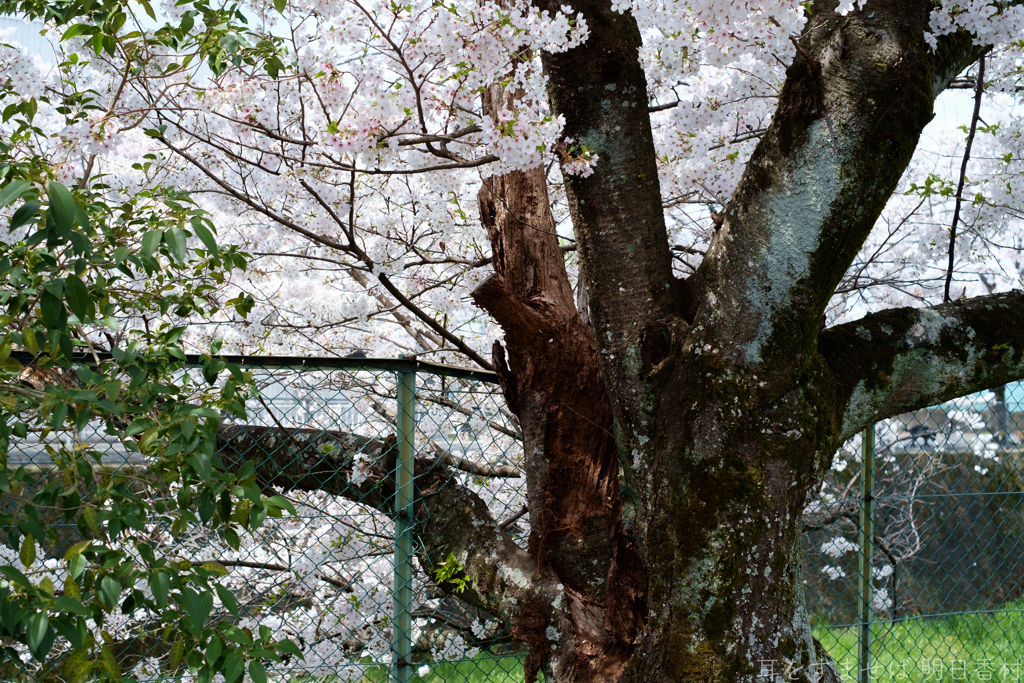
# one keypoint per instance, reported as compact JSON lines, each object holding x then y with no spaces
{"x":552,"y":382}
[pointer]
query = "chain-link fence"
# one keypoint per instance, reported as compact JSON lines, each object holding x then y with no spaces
{"x":915,"y":562}
{"x":915,"y":545}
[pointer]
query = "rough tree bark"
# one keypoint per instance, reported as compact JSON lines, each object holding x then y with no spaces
{"x":552,"y":382}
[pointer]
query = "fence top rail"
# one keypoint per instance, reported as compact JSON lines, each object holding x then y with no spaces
{"x":411,"y":364}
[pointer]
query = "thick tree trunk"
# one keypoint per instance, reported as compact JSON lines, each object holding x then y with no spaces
{"x":722,"y":493}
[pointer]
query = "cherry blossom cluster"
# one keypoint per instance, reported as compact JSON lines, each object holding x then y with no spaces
{"x":989,"y":23}
{"x":24,"y":75}
{"x":576,"y":158}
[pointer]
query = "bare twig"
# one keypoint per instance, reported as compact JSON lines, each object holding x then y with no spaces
{"x":341,"y":585}
{"x":513,"y":519}
{"x":978,"y":92}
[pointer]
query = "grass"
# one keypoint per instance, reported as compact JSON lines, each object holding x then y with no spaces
{"x":481,"y":669}
{"x":971,"y":647}
{"x":964,"y":647}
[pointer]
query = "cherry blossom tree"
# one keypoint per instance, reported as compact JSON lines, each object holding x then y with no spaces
{"x":709,"y":239}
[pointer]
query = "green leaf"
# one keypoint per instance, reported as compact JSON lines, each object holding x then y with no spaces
{"x":67,"y":604}
{"x":201,"y":463}
{"x":150,"y":241}
{"x":246,"y":470}
{"x":176,"y":655}
{"x":55,"y":287}
{"x":82,"y":418}
{"x":138,"y":426}
{"x":28,"y":551}
{"x":233,"y":665}
{"x":62,"y":208}
{"x":231,"y":538}
{"x":77,"y":667}
{"x":257,"y":673}
{"x":14,"y":575}
{"x":109,"y":591}
{"x":174,"y":334}
{"x":25,"y":213}
{"x":231,"y":42}
{"x":178,"y":242}
{"x":227,"y":598}
{"x":82,"y":218}
{"x":149,"y":9}
{"x":52,"y":310}
{"x":213,"y":650}
{"x":279,"y":5}
{"x":28,"y":340}
{"x":36,"y":628}
{"x":66,"y":628}
{"x":237,"y":635}
{"x":160,"y":584}
{"x":77,"y":549}
{"x":76,"y":30}
{"x":288,"y":647}
{"x":148,"y":438}
{"x":91,"y":519}
{"x":77,"y":296}
{"x":204,"y":411}
{"x":110,"y":664}
{"x":243,"y":304}
{"x":279,"y":502}
{"x":71,"y":588}
{"x":12,"y":191}
{"x":75,"y":566}
{"x":198,"y":606}
{"x":216,"y":568}
{"x":205,"y":236}
{"x":59,"y":414}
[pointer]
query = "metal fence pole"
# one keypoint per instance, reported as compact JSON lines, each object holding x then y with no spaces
{"x":1002,"y":416}
{"x":401,"y":624}
{"x":867,"y":551}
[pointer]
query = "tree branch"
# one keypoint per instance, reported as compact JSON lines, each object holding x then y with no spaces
{"x":856,"y":98}
{"x":501,"y":576}
{"x":906,"y":359}
{"x":248,"y":201}
{"x":978,"y":92}
{"x":323,"y":460}
{"x":601,"y":90}
{"x":451,"y":519}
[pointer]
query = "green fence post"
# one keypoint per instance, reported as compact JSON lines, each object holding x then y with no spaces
{"x":1002,"y":416}
{"x":401,"y":624}
{"x":867,"y":551}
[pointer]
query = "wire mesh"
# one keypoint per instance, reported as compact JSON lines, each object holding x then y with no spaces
{"x":944,"y":562}
{"x":914,"y":573}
